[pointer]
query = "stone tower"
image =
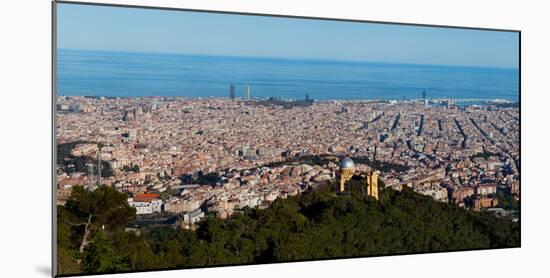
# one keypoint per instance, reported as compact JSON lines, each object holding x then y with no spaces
{"x":372,"y":184}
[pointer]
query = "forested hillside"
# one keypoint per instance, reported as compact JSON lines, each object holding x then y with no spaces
{"x":315,"y":225}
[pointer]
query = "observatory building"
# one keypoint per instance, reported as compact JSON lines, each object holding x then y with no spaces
{"x":347,"y":171}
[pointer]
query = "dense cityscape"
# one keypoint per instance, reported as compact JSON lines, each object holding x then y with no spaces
{"x":180,"y":159}
{"x":257,"y":139}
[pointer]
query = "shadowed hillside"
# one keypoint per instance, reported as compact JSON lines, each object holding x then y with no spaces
{"x":315,"y":225}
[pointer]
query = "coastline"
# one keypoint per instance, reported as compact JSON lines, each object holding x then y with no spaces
{"x":458,"y":101}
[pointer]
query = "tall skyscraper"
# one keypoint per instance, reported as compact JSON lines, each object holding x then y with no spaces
{"x":246,"y":92}
{"x":232,"y":92}
{"x":307,"y":97}
{"x":423,"y":94}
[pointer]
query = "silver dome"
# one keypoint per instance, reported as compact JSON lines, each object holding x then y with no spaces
{"x":346,"y":163}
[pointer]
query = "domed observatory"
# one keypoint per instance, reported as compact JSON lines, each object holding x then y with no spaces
{"x":347,"y":170}
{"x":347,"y":163}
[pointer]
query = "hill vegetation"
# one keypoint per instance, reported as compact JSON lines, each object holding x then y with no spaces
{"x":314,"y":225}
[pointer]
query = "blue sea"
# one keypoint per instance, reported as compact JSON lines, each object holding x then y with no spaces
{"x":101,"y":73}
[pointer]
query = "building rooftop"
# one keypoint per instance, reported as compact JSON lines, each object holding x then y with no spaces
{"x":347,"y":163}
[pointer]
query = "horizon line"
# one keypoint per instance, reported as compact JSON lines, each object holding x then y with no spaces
{"x":290,"y":58}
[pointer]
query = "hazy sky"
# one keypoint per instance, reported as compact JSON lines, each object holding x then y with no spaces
{"x":150,"y":30}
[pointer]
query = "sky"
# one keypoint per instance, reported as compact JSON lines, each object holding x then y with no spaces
{"x":163,"y":31}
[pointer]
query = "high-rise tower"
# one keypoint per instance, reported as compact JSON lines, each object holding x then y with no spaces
{"x":232,"y":92}
{"x":246,"y":94}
